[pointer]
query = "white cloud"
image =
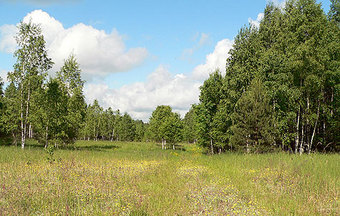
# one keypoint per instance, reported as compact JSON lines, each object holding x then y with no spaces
{"x":161,"y":88}
{"x":3,"y":75}
{"x":215,"y":60}
{"x":99,"y":53}
{"x":278,"y":3}
{"x":256,"y":22}
{"x":140,"y":99}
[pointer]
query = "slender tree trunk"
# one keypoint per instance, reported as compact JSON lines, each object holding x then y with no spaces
{"x":30,"y":132}
{"x":316,"y":122}
{"x":211,"y":146}
{"x":302,"y":140}
{"x":46,"y":137}
{"x":22,"y":120}
{"x":297,"y":132}
{"x":173,"y":146}
{"x":165,"y":144}
{"x":27,"y":108}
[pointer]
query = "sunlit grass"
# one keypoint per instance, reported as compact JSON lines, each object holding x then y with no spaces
{"x":117,"y":178}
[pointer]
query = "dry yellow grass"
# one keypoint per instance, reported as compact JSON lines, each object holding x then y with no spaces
{"x":104,"y":178}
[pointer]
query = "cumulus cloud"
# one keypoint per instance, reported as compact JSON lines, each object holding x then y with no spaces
{"x":215,"y":60}
{"x":161,"y":88}
{"x":99,"y":53}
{"x":256,"y":22}
{"x":140,"y":99}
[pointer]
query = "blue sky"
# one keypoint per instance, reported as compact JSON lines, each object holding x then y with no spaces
{"x":154,"y":52}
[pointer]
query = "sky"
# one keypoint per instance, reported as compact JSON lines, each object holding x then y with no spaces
{"x":135,"y":55}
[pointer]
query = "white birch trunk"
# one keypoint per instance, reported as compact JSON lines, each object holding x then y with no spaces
{"x":46,"y":137}
{"x":297,"y":132}
{"x":302,"y":140}
{"x":316,"y":122}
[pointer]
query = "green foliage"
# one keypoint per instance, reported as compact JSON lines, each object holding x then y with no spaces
{"x":172,"y":128}
{"x":1,"y":106}
{"x":295,"y":54}
{"x":253,"y":120}
{"x":206,"y":110}
{"x":126,"y":128}
{"x":189,"y":126}
{"x":10,"y":118}
{"x":165,"y":126}
{"x":334,"y":12}
{"x":30,"y":71}
{"x":158,"y":117}
{"x":140,"y":130}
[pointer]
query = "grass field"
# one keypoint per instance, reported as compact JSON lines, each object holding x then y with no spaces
{"x":116,"y":178}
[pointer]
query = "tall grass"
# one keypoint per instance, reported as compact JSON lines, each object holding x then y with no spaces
{"x":120,"y":178}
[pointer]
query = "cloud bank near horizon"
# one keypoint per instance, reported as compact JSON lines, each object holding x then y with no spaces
{"x":100,"y":54}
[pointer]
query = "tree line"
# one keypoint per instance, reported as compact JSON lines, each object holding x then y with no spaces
{"x":280,"y":92}
{"x":281,"y":87}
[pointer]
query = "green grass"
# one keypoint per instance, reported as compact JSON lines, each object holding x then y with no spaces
{"x":120,"y":178}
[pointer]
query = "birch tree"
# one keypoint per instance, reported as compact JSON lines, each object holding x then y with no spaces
{"x":30,"y":71}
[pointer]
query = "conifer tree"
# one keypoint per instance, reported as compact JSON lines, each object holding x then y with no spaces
{"x":253,"y":119}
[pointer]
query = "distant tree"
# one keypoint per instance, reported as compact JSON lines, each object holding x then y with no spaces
{"x":172,"y":129}
{"x":108,"y":124}
{"x":126,"y":128}
{"x":189,"y":126}
{"x":158,"y":117}
{"x":95,"y":111}
{"x":140,"y":130}
{"x":165,"y":126}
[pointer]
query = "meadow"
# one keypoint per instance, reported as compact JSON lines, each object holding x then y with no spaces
{"x":122,"y":178}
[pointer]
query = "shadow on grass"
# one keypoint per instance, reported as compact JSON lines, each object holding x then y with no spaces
{"x":170,"y":147}
{"x":5,"y":141}
{"x":95,"y":147}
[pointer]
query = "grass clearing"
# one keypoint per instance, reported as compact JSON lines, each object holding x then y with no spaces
{"x":121,"y":178}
